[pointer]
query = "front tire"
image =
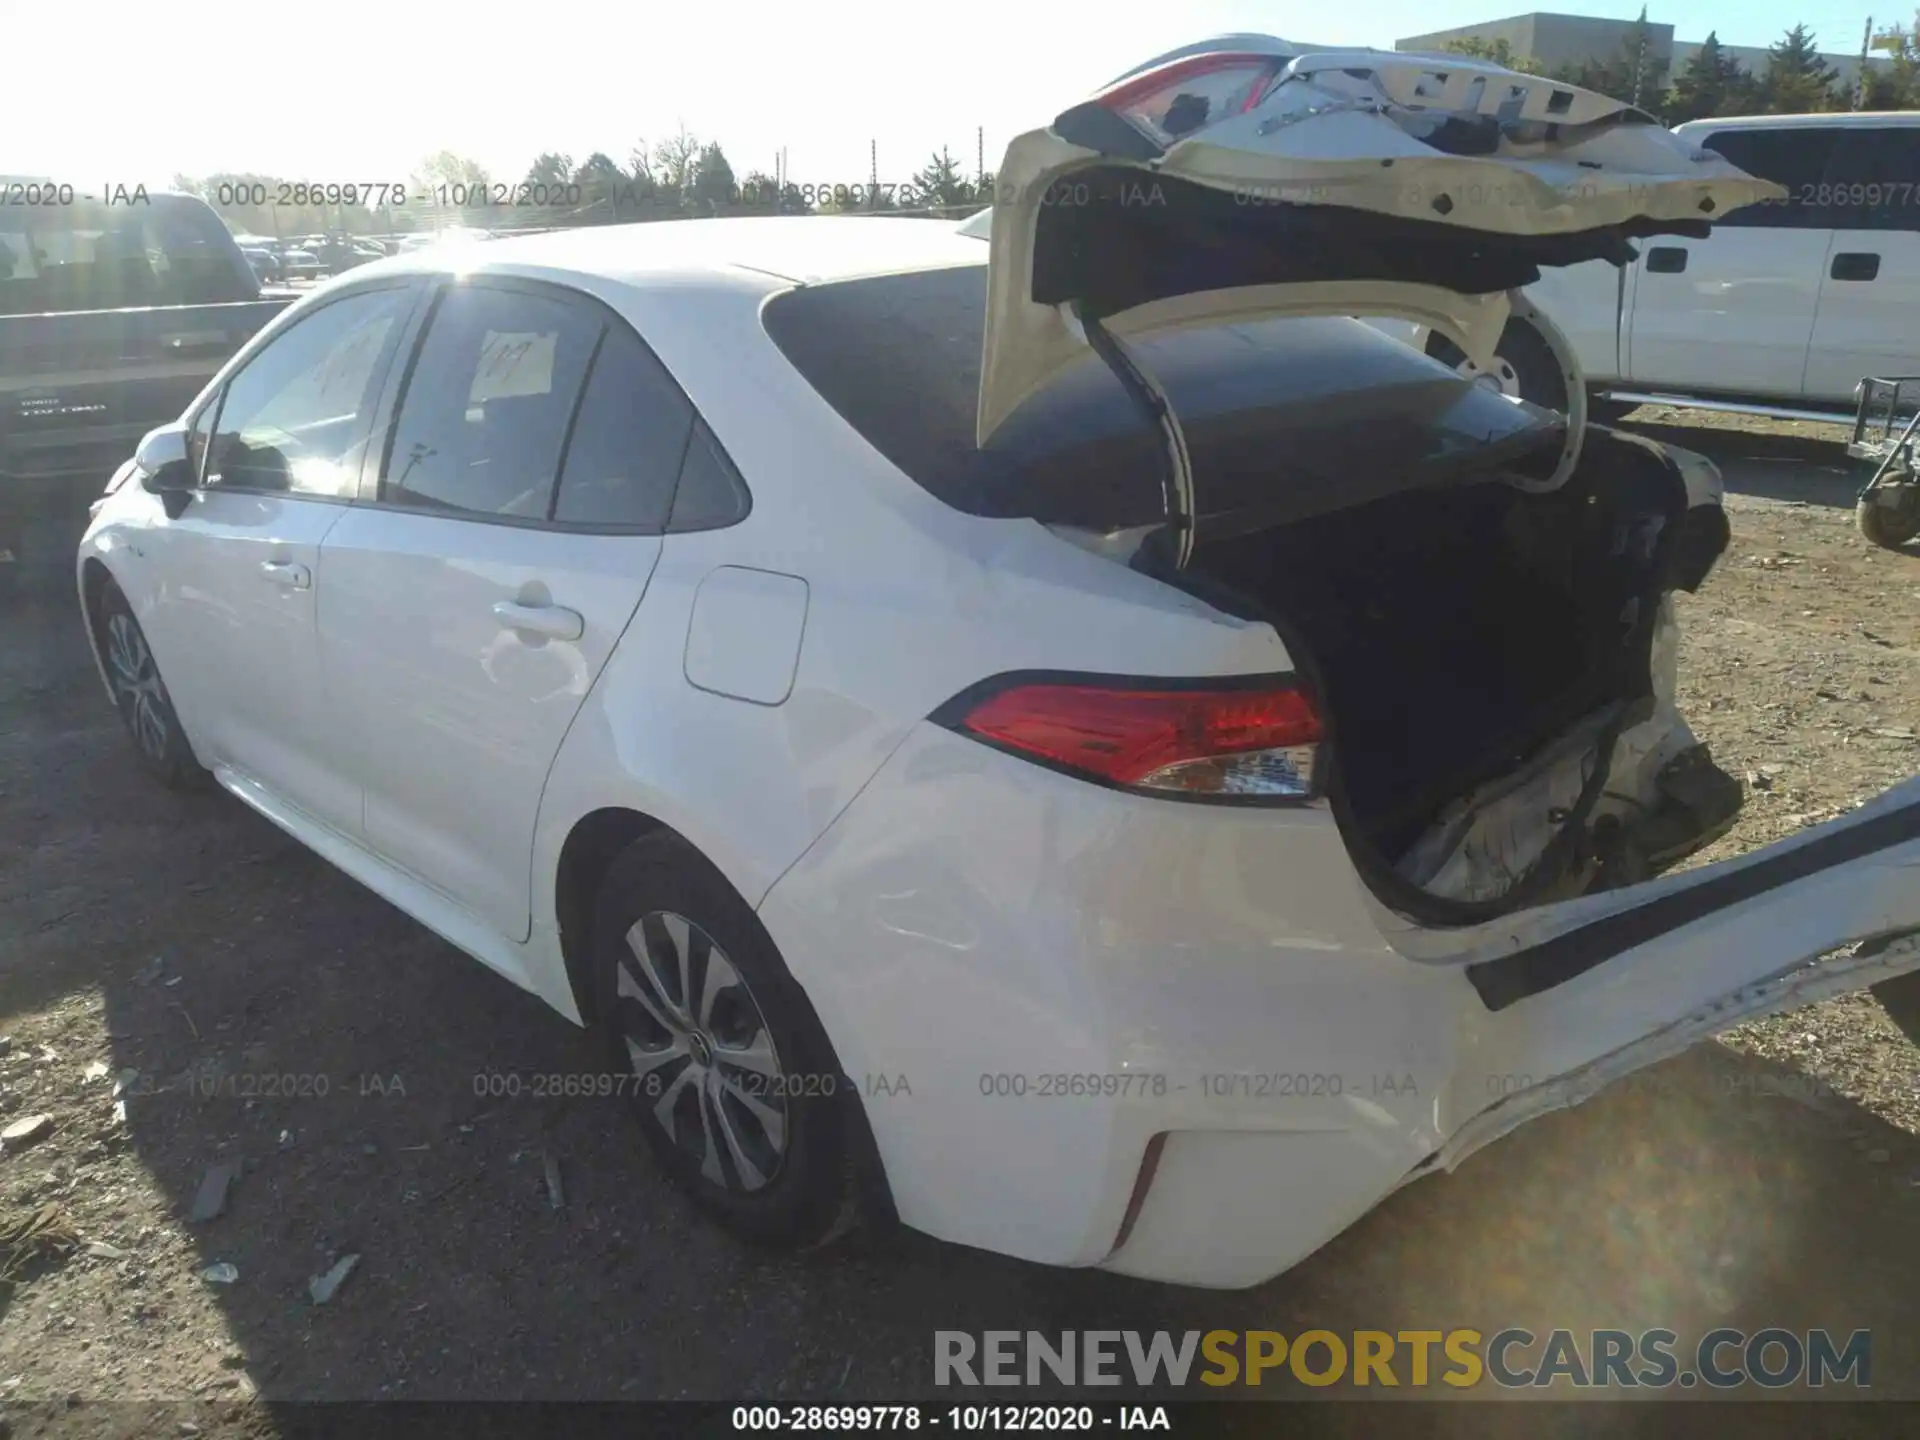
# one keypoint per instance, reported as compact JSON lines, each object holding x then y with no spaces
{"x":730,"y":1076}
{"x":140,"y":695}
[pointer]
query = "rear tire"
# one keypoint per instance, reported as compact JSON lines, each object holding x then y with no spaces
{"x":1523,"y":365}
{"x":140,"y":695}
{"x":730,"y":1076}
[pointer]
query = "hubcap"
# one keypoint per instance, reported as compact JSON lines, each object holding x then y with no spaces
{"x":1501,"y":376}
{"x":136,"y":685}
{"x":702,"y":1051}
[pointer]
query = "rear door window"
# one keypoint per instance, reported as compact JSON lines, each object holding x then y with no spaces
{"x":627,"y":442}
{"x":1794,"y":158}
{"x":490,"y":401}
{"x":1872,"y":181}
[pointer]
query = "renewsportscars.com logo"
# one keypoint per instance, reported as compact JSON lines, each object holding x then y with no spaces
{"x":1512,"y":1358}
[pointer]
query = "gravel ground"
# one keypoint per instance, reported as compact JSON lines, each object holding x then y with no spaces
{"x":256,"y":1007}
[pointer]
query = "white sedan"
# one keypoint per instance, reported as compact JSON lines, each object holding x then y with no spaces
{"x":1040,"y":728}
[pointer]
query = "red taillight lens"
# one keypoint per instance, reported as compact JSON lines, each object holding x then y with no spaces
{"x":1203,"y":742}
{"x":1190,"y":94}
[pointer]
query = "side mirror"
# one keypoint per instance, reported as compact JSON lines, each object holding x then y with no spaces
{"x":166,"y":467}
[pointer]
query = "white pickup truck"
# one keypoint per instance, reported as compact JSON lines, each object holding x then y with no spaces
{"x":1782,"y":310}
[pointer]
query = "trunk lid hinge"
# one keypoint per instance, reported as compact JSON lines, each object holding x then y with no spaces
{"x":1172,"y":543}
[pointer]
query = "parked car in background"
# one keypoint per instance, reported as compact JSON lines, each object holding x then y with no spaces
{"x":111,"y":319}
{"x":266,"y":265}
{"x":338,"y":254}
{"x":297,"y":263}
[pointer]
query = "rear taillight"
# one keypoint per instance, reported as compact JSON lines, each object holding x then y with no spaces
{"x":1190,"y":94}
{"x":1246,"y":742}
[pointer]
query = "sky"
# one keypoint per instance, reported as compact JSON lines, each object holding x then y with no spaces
{"x":141,"y":93}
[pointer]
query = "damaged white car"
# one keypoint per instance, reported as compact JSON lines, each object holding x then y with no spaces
{"x":1041,"y":727}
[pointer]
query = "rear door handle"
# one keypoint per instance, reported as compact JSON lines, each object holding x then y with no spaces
{"x":556,"y":622}
{"x":1854,"y":265}
{"x":287,"y":575}
{"x":1666,"y":260}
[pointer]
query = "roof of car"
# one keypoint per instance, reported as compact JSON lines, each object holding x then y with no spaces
{"x":802,"y":249}
{"x":1832,"y":120}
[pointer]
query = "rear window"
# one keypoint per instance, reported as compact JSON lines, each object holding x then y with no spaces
{"x":1283,"y":418}
{"x":170,"y":250}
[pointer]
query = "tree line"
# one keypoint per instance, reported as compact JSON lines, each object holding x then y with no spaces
{"x":682,"y":176}
{"x":1796,"y":78}
{"x":685,"y":175}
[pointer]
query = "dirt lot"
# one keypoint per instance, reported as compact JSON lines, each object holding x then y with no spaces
{"x":261,"y":1008}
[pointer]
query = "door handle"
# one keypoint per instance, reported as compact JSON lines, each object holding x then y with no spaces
{"x":287,"y":575}
{"x":1854,"y":265}
{"x":1666,"y":260}
{"x":556,"y":622}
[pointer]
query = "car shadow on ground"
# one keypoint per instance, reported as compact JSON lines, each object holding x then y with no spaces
{"x":1814,"y":469}
{"x":389,"y":1098}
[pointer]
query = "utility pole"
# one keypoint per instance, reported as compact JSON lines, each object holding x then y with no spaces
{"x":980,"y":156}
{"x":873,"y":174}
{"x":1860,"y":80}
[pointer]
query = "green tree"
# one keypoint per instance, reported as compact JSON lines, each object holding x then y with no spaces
{"x":451,"y":170}
{"x":712,"y":188}
{"x":674,"y":161}
{"x":1499,"y":52}
{"x":1712,"y":82}
{"x":549,"y":168}
{"x":1797,"y":79}
{"x":759,"y":194}
{"x":940,"y":186}
{"x":1897,"y":85}
{"x":602,"y":185}
{"x":1635,"y":72}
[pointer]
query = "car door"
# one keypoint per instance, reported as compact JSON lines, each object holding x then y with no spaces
{"x":280,"y":445}
{"x":515,"y":522}
{"x":1870,"y":287}
{"x":1734,"y":313}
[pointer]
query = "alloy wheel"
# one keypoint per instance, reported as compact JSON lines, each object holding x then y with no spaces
{"x":702,"y":1052}
{"x":136,"y":685}
{"x":1500,"y":376}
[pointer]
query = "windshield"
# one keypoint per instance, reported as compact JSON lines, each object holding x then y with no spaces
{"x":1283,"y":418}
{"x":170,"y":250}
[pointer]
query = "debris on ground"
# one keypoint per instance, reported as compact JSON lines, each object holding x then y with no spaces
{"x":24,"y":1132}
{"x":322,"y":1288}
{"x":96,"y":1071}
{"x":45,"y":1235}
{"x":105,"y":1250}
{"x":221,"y":1272}
{"x":151,"y":971}
{"x":556,"y":1197}
{"x":210,"y":1201}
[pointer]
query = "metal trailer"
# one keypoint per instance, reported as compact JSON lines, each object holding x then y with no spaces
{"x":1885,"y":428}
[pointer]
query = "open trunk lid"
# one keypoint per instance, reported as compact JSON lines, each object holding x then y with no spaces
{"x":1255,"y":180}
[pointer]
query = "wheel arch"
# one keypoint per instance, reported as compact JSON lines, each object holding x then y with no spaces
{"x":95,"y":577}
{"x":592,"y":845}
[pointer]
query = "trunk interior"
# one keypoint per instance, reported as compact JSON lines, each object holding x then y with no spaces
{"x":1457,"y":631}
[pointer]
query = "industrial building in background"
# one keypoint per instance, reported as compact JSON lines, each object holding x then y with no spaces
{"x":1556,"y":41}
